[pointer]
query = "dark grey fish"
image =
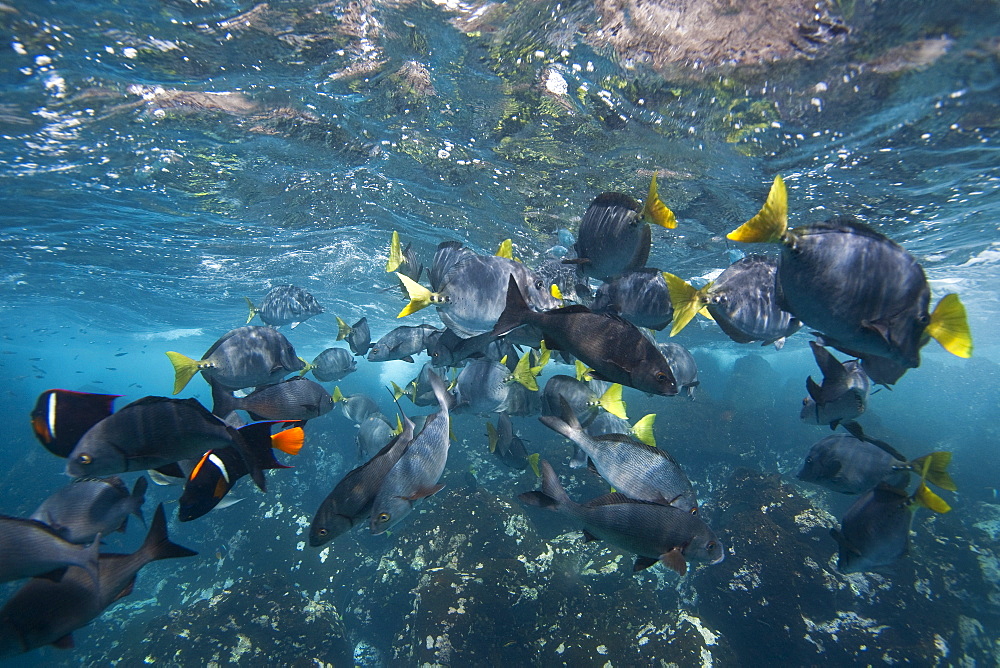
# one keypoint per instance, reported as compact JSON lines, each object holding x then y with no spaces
{"x":577,"y":393}
{"x":848,"y":465}
{"x":333,"y":364}
{"x":285,"y":304}
{"x":296,"y":398}
{"x":640,"y":296}
{"x":571,"y":286}
{"x":355,"y":407}
{"x":245,"y":357}
{"x":505,"y":444}
{"x":639,"y":471}
{"x":402,"y":343}
{"x":83,"y":509}
{"x":373,"y":433}
{"x":29,"y":548}
{"x":482,"y":387}
{"x":521,"y":401}
{"x":419,"y":390}
{"x":612,"y":238}
{"x":471,"y":292}
{"x":450,"y":349}
{"x":352,"y":498}
{"x":416,"y":474}
{"x":43,"y":612}
{"x":875,"y":530}
{"x":843,"y":395}
{"x":682,"y":364}
{"x":614,"y":348}
{"x":652,"y":531}
{"x":358,"y":336}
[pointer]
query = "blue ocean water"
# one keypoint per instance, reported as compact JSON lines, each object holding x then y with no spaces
{"x":160,"y":162}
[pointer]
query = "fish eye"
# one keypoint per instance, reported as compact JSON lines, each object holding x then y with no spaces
{"x":805,"y":402}
{"x":661,"y":377}
{"x":539,"y":285}
{"x":694,"y":511}
{"x":711,"y":545}
{"x":383,"y":518}
{"x":322,"y":532}
{"x":84,"y":459}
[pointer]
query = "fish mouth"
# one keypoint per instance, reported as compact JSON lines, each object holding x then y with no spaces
{"x":719,"y":560}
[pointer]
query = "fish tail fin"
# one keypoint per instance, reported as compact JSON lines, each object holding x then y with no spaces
{"x":949,"y":326}
{"x":524,"y":374}
{"x":686,"y":300}
{"x":611,"y":401}
{"x":139,"y":497}
{"x":936,"y":465}
{"x":253,"y":310}
{"x":343,"y":329}
{"x":533,"y":463}
{"x":543,"y":359}
{"x":505,"y":249}
{"x":515,"y":311}
{"x":420,"y":297}
{"x":184,"y":369}
{"x":307,"y":368}
{"x":289,"y":441}
{"x":397,"y":391}
{"x":157,"y":544}
{"x":928,"y":499}
{"x":395,"y":254}
{"x":91,"y":558}
{"x":582,"y":372}
{"x":223,"y":401}
{"x":492,"y":436}
{"x":655,"y":211}
{"x":552,"y":495}
{"x":399,"y":426}
{"x":643,"y":430}
{"x":337,"y":395}
{"x":771,"y":222}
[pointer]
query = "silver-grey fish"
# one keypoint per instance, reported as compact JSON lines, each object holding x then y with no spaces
{"x":244,"y":357}
{"x":682,"y":363}
{"x":450,"y":349}
{"x":29,"y":548}
{"x":875,"y":530}
{"x":285,"y":304}
{"x":87,"y":507}
{"x":333,"y":364}
{"x":355,"y":407}
{"x":505,"y":444}
{"x":640,"y":296}
{"x":416,"y":474}
{"x":352,"y":498}
{"x":402,"y":343}
{"x":482,"y":387}
{"x":296,"y":398}
{"x":848,"y":465}
{"x":43,"y":612}
{"x":358,"y":336}
{"x":843,"y":395}
{"x":571,"y":287}
{"x":373,"y":433}
{"x":652,"y":531}
{"x":637,"y":470}
{"x":419,"y":390}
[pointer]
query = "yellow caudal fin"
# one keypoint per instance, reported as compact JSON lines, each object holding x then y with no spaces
{"x":253,"y":310}
{"x":928,"y":499}
{"x":307,"y":368}
{"x":770,"y":223}
{"x":289,"y":441}
{"x":686,"y":300}
{"x":611,"y":401}
{"x":491,"y":434}
{"x":399,"y":426}
{"x":643,"y":430}
{"x":343,"y":329}
{"x":555,"y":291}
{"x":524,"y":374}
{"x":936,"y":465}
{"x":397,"y":391}
{"x":506,"y":249}
{"x":420,"y":297}
{"x":337,"y":395}
{"x":655,"y":211}
{"x":543,"y":358}
{"x":582,"y":372}
{"x":184,"y":369}
{"x":395,"y":254}
{"x":533,"y":462}
{"x":950,"y":327}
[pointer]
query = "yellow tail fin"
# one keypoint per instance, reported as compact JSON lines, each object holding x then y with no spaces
{"x":643,"y":430}
{"x":612,"y":402}
{"x":523,"y":373}
{"x":770,"y":223}
{"x":533,"y":461}
{"x":936,"y":465}
{"x":184,"y":369}
{"x":655,"y":211}
{"x":337,"y":395}
{"x":582,"y":372}
{"x":397,"y":391}
{"x":253,"y":310}
{"x":343,"y":329}
{"x":420,"y":297}
{"x":395,"y":254}
{"x":289,"y":441}
{"x":950,"y":327}
{"x":307,"y":368}
{"x":928,"y":499}
{"x":686,"y":300}
{"x":543,"y":358}
{"x":399,"y":426}
{"x":491,"y":434}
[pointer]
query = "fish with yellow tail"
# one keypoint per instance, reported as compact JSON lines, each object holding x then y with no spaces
{"x":866,"y":294}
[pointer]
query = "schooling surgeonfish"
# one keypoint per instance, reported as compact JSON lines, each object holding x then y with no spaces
{"x":843,"y":395}
{"x":87,"y":507}
{"x":285,"y":304}
{"x":867,"y":295}
{"x":401,"y":343}
{"x":373,"y":433}
{"x":332,"y":365}
{"x":640,"y":296}
{"x":296,"y":398}
{"x":358,"y":335}
{"x":244,"y":357}
{"x":355,"y":407}
{"x":505,"y":444}
{"x":652,"y":531}
{"x":742,"y":301}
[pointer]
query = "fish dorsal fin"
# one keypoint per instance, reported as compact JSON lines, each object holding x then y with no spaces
{"x":949,"y":326}
{"x":655,"y":211}
{"x":771,"y":222}
{"x":643,"y":430}
{"x":395,"y":254}
{"x":611,"y":401}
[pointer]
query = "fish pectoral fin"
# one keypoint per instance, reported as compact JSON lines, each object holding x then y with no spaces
{"x":674,"y":560}
{"x":126,"y":590}
{"x":424,"y":492}
{"x":408,"y":358}
{"x":589,"y":537}
{"x":64,"y":642}
{"x":880,"y":327}
{"x":642,"y":563}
